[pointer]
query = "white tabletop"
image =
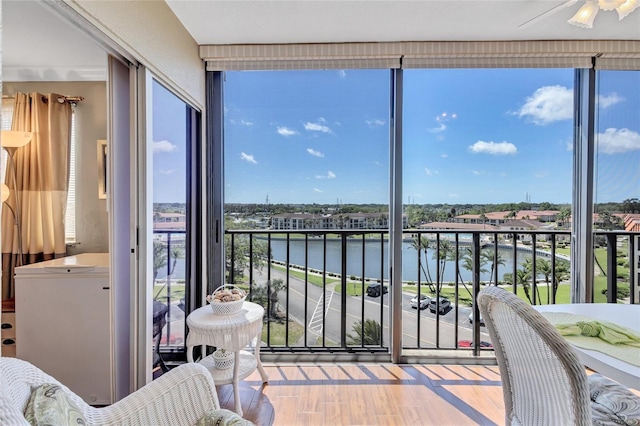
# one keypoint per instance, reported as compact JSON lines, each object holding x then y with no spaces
{"x":230,"y":331}
{"x":621,"y":314}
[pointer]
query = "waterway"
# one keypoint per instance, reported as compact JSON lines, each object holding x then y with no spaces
{"x":375,"y":255}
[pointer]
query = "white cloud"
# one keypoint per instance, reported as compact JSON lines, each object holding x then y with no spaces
{"x":248,"y":158}
{"x":618,"y":141}
{"x":430,"y":172}
{"x":377,"y":122}
{"x":454,"y":196}
{"x":317,"y":190}
{"x":329,"y":175}
{"x":444,"y":155}
{"x":493,"y":148}
{"x":342,"y":73}
{"x":285,"y":131}
{"x":164,"y":146}
{"x":166,"y":172}
{"x":541,"y":174}
{"x":477,"y":172}
{"x":605,"y":101}
{"x":317,"y":127}
{"x":246,"y":123}
{"x":441,"y":128}
{"x":441,"y":119}
{"x":446,"y":116}
{"x":315,"y":153}
{"x":548,"y":104}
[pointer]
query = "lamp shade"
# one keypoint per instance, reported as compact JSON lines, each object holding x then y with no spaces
{"x":585,"y":16}
{"x":626,"y":8}
{"x":5,"y":192}
{"x":609,"y":4}
{"x":15,"y":138}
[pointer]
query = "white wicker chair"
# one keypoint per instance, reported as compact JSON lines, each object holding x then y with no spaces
{"x":179,"y":397}
{"x":543,"y":380}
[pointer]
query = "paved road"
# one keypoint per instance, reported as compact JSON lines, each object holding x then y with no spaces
{"x":412,"y":319}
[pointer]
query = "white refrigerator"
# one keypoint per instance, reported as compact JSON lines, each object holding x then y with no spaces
{"x":63,"y":322}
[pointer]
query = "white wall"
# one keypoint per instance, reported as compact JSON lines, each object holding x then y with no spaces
{"x":155,"y":37}
{"x":92,"y":228}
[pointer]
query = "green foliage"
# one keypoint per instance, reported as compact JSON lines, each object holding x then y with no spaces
{"x":370,"y":334}
{"x":623,"y":292}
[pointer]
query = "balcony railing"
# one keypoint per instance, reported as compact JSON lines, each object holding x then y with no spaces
{"x":313,"y":284}
{"x":169,"y":286}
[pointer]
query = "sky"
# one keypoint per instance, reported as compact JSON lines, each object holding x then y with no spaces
{"x":469,"y":136}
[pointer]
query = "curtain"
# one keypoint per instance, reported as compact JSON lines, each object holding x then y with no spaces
{"x":41,"y":185}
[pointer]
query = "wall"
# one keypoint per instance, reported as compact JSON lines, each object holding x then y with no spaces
{"x":92,"y":228}
{"x":151,"y":33}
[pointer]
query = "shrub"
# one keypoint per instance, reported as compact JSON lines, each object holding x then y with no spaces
{"x":623,"y":291}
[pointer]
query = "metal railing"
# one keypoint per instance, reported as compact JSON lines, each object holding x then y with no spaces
{"x":169,"y":286}
{"x":318,"y":288}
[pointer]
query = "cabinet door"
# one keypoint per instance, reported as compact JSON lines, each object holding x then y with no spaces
{"x":66,"y":331}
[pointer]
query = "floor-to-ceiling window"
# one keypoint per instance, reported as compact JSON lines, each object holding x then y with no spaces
{"x":617,"y":178}
{"x":486,"y":150}
{"x":308,"y":151}
{"x":494,"y":151}
{"x":172,"y":140}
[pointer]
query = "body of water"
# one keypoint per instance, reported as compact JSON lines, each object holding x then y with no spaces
{"x":375,"y":255}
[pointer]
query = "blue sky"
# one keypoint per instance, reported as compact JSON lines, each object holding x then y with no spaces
{"x":470,"y":136}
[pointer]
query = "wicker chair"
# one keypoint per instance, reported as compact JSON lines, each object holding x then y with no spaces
{"x":179,"y":397}
{"x":543,"y":380}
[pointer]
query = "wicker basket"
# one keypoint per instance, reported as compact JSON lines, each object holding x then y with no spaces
{"x":226,"y":308}
{"x":223,"y":360}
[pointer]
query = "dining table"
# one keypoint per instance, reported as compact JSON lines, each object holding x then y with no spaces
{"x":604,"y":362}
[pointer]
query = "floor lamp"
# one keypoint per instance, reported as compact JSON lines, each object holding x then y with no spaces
{"x":11,"y":141}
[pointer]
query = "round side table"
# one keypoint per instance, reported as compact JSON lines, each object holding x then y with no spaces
{"x":233,"y":332}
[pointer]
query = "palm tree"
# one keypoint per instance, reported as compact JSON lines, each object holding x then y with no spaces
{"x":160,"y":260}
{"x":562,"y":273}
{"x":489,"y":255}
{"x":543,"y":267}
{"x":528,"y":266}
{"x":420,"y":243}
{"x":370,"y":334}
{"x":522,"y":278}
{"x":467,"y":263}
{"x":446,"y":253}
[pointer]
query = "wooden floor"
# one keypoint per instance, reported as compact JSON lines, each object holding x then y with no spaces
{"x":370,"y":394}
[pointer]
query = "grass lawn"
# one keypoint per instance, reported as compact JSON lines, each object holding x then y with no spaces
{"x":177,"y":291}
{"x":278,"y":331}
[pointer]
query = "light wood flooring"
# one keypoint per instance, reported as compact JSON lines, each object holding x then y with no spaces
{"x":370,"y":394}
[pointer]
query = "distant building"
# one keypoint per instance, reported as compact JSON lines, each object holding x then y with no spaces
{"x":289,"y":221}
{"x":632,"y":222}
{"x":169,"y":221}
{"x":499,"y":218}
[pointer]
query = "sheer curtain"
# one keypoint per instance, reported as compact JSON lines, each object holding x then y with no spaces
{"x":42,"y":174}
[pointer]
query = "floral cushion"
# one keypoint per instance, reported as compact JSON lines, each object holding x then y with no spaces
{"x":612,"y":403}
{"x":50,"y":405}
{"x":222,"y":417}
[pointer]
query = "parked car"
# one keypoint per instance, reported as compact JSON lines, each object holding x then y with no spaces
{"x":373,"y":290}
{"x":424,"y":301}
{"x":443,"y":307}
{"x":471,"y":319}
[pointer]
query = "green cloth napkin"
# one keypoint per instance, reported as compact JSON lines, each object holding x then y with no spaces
{"x":607,"y":331}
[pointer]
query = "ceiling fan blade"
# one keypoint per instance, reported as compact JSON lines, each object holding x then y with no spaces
{"x":548,"y":13}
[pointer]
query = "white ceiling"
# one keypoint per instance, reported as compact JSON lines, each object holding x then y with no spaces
{"x":57,"y":51}
{"x":311,"y":21}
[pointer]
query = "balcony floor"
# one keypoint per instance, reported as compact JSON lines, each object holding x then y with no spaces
{"x":370,"y":394}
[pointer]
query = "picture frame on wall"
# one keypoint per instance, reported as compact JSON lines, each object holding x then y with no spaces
{"x":102,"y":168}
